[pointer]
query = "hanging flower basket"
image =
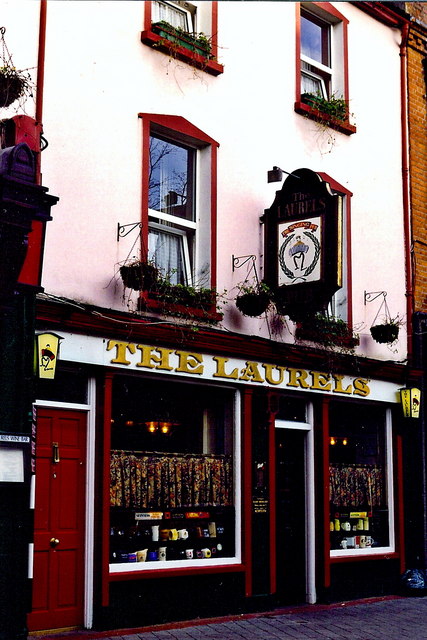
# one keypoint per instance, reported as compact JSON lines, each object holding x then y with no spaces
{"x":139,"y":275}
{"x":386,"y":333}
{"x":253,"y":303}
{"x":14,"y":83}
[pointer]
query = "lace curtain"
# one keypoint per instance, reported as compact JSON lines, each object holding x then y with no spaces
{"x":356,"y":485}
{"x":165,"y":481}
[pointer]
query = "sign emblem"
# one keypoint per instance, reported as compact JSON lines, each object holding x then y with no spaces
{"x":300,"y":251}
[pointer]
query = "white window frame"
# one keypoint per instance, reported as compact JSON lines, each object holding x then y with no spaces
{"x":181,"y":233}
{"x":126,"y":567}
{"x":175,"y":7}
{"x":374,"y":551}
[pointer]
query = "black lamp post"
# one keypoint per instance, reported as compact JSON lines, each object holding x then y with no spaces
{"x":24,"y":210}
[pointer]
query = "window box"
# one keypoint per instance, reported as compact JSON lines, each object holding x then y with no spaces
{"x":182,"y":301}
{"x":329,"y":332}
{"x":194,"y":42}
{"x":182,"y":47}
{"x":311,"y":107}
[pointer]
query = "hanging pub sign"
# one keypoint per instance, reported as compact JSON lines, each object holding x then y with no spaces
{"x":47,"y":345}
{"x":303,"y":241}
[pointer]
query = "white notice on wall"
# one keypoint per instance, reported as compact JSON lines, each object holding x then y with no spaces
{"x":11,"y":465}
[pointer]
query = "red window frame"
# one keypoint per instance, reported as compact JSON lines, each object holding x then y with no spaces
{"x":302,"y":108}
{"x":153,"y":40}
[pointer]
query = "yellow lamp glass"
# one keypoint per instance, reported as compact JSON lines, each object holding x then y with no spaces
{"x":47,"y":354}
{"x":410,"y":399}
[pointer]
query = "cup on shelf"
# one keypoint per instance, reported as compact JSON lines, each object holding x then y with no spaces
{"x":141,"y":555}
{"x":155,"y":532}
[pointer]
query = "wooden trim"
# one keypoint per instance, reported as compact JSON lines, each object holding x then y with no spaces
{"x":105,"y":498}
{"x":214,"y":208}
{"x":324,"y":461}
{"x":272,"y":499}
{"x":399,"y":502}
{"x":171,"y":573}
{"x":247,"y":396}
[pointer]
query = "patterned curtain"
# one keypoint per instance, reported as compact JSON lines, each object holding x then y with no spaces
{"x":356,"y":485}
{"x":165,"y":481}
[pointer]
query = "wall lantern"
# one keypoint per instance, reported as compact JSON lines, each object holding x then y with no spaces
{"x":410,"y":399}
{"x":47,"y":345}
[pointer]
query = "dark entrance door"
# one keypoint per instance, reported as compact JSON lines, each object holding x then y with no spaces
{"x":291,"y":515}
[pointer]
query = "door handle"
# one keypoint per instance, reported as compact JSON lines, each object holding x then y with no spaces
{"x":53,"y":542}
{"x":55,"y":452}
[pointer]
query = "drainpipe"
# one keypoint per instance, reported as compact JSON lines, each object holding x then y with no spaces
{"x":40,"y":74}
{"x":405,"y":181}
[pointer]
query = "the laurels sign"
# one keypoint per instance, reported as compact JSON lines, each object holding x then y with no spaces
{"x":303,"y":238}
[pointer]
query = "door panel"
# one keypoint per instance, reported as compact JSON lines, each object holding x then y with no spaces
{"x":290,"y":515}
{"x":58,"y":584}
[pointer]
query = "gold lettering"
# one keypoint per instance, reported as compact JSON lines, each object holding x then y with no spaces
{"x":297,"y":378}
{"x":189,"y":362}
{"x":361,"y":387}
{"x":220,"y":369}
{"x":150,"y":360}
{"x":338,"y":384}
{"x":121,"y":348}
{"x":251,"y":373}
{"x":269,"y":373}
{"x":321,"y":381}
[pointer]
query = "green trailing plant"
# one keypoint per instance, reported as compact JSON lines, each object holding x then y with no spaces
{"x":336,"y":108}
{"x":254,"y":298}
{"x":197,"y":42}
{"x":327,"y":331}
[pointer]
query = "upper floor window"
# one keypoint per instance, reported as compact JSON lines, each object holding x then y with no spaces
{"x":179,"y":199}
{"x":179,"y":14}
{"x":322,"y":86}
{"x":172,"y":222}
{"x":316,"y":71}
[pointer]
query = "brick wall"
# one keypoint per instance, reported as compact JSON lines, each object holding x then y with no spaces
{"x":417,"y":114}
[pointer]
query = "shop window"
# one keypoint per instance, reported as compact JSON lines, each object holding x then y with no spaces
{"x":173,"y":484}
{"x":172,"y":223}
{"x":67,"y":386}
{"x":360,"y":480}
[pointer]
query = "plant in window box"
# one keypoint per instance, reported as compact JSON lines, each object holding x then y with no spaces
{"x":197,"y":42}
{"x":327,"y":331}
{"x":140,"y":275}
{"x":336,"y":108}
{"x":179,"y":300}
{"x":253,"y":299}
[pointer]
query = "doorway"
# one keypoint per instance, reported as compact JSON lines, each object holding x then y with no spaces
{"x":59,"y":520}
{"x":290,"y":515}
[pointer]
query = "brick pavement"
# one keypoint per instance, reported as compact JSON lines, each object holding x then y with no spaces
{"x":391,"y":618}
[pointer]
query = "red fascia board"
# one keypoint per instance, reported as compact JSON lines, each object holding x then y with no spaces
{"x":386,"y":15}
{"x":336,"y":186}
{"x":180,"y":125}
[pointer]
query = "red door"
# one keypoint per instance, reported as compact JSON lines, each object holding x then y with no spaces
{"x":58,"y":583}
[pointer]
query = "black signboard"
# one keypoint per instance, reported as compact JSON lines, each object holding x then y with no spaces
{"x":303,"y":244}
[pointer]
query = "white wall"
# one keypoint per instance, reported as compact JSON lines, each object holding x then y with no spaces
{"x":99,"y":76}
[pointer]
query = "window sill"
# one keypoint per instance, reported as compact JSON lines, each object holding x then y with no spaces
{"x":150,"y":302}
{"x":174,"y":50}
{"x":230,"y":566}
{"x":318,"y":116}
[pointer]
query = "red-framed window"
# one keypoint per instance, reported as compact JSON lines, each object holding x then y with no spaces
{"x":179,"y":199}
{"x":185,"y":31}
{"x":322,"y":63}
